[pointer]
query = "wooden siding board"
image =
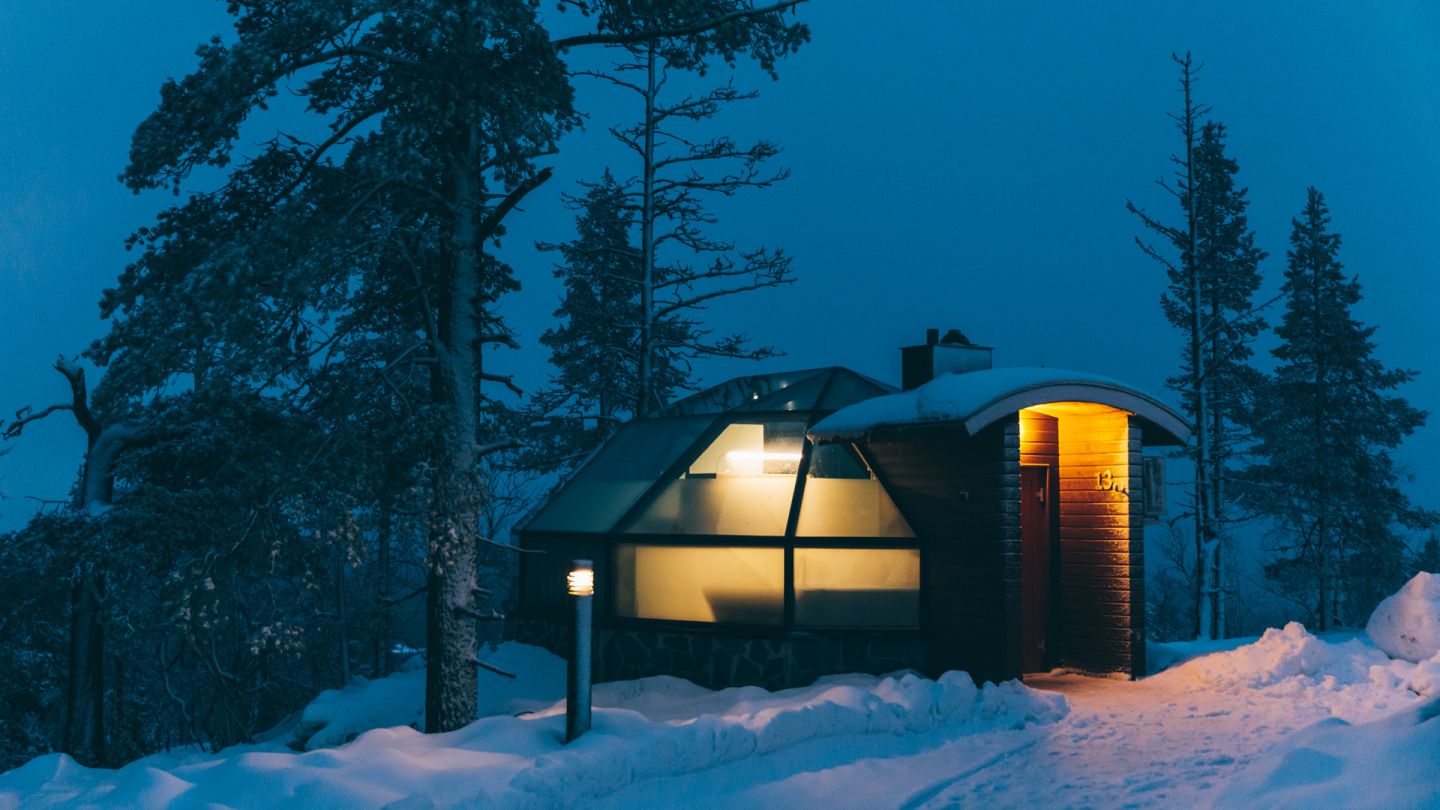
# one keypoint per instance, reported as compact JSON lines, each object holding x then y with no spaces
{"x":970,"y":582}
{"x":1098,"y":539}
{"x":962,"y":494}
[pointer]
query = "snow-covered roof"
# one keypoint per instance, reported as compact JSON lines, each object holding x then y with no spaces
{"x":979,"y":398}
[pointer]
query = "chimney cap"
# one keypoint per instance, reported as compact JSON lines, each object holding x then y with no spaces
{"x":955,"y":337}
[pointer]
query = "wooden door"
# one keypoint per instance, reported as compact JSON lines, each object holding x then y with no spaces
{"x":1035,"y":570}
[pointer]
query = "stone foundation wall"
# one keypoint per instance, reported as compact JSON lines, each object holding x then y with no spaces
{"x":717,"y":660}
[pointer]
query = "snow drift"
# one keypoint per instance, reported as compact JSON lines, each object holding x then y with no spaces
{"x":1387,"y":763}
{"x":1406,"y":624}
{"x":1343,"y":674}
{"x":1284,"y":655}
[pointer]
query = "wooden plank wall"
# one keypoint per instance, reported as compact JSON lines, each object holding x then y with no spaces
{"x":961,"y":495}
{"x":1101,"y":545}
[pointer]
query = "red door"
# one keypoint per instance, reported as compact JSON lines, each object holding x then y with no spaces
{"x":1035,"y":581}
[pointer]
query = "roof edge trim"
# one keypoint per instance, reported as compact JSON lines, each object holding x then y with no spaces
{"x":977,"y":399}
{"x":1126,"y":399}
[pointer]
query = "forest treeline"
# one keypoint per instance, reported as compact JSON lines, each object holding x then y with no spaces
{"x":296,"y":439}
{"x":299,"y":432}
{"x":1300,"y":452}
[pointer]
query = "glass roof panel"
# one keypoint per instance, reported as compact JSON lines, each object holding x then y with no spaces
{"x":801,"y":395}
{"x":734,"y":394}
{"x":848,"y":388}
{"x":625,"y":468}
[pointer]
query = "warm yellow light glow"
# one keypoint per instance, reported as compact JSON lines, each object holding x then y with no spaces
{"x":1075,"y":409}
{"x":580,"y":582}
{"x":739,"y":437}
{"x":873,"y":587}
{"x":849,"y":507}
{"x":700,"y":583}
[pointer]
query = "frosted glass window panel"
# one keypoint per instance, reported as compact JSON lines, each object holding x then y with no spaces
{"x":745,"y":506}
{"x":600,"y":492}
{"x":842,"y":499}
{"x":700,"y":583}
{"x":857,"y":587}
{"x":738,"y":450}
{"x":836,"y":461}
{"x":847,"y":507}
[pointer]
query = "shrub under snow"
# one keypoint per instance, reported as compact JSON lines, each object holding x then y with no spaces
{"x":338,"y":716}
{"x":1407,"y":623}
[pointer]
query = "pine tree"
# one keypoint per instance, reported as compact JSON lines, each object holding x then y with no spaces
{"x":594,"y":345}
{"x":1212,"y":283}
{"x":1326,"y":426}
{"x":1228,"y":263}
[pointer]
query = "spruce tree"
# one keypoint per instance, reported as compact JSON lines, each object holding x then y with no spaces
{"x":1212,"y":280}
{"x":594,"y":345}
{"x":1326,"y":425}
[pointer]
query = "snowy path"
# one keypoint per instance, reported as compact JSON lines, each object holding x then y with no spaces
{"x":1124,"y":744}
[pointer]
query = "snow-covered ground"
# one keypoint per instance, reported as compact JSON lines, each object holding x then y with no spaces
{"x":1177,"y":739}
{"x":1286,"y":720}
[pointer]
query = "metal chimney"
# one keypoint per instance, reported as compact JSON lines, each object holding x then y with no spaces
{"x":951,"y":354}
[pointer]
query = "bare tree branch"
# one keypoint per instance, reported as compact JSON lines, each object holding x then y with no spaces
{"x":670,"y":33}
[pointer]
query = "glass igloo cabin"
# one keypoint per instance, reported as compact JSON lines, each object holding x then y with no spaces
{"x":780,"y":527}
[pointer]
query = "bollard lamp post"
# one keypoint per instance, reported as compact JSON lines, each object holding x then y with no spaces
{"x":580,"y":584}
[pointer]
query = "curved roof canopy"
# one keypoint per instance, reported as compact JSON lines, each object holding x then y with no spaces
{"x":979,"y":398}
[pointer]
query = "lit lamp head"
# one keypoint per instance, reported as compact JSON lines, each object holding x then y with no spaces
{"x":581,"y":579}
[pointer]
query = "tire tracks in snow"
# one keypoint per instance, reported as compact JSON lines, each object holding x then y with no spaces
{"x":922,"y":797}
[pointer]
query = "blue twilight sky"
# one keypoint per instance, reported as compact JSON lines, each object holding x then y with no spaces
{"x":954,"y":164}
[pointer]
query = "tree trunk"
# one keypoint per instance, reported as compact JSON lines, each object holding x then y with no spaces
{"x":1217,"y":477}
{"x":451,"y":677}
{"x":647,"y":239}
{"x":84,"y":737}
{"x":1204,"y":584}
{"x":344,"y":622}
{"x":1322,"y":445}
{"x":380,"y":664}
